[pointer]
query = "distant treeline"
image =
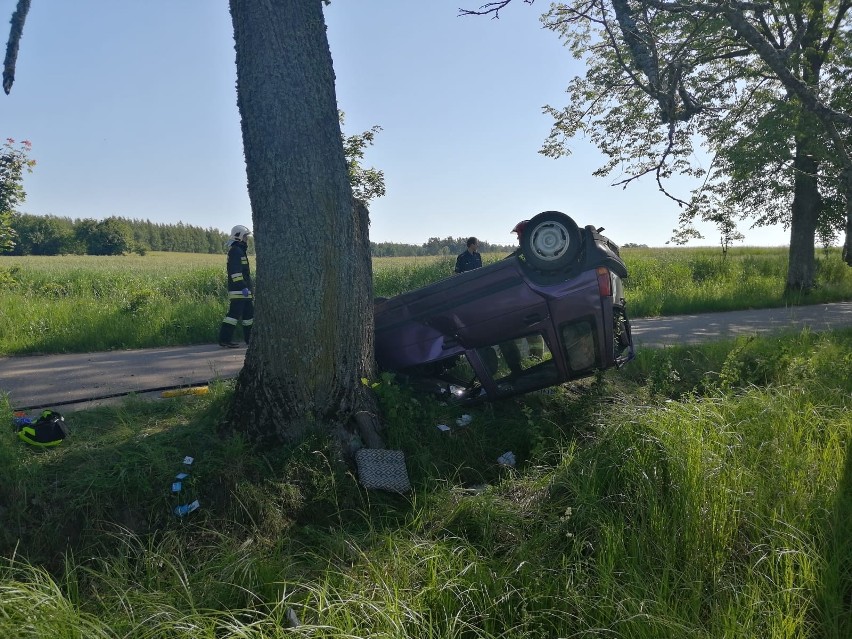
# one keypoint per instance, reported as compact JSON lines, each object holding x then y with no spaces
{"x":433,"y":246}
{"x":51,"y":235}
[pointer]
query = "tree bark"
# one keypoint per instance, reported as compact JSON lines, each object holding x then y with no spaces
{"x":803,"y":221}
{"x":312,"y":340}
{"x":847,"y":244}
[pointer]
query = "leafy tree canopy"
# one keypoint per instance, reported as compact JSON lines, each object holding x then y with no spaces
{"x":14,"y":162}
{"x":367,"y":183}
{"x":759,"y":87}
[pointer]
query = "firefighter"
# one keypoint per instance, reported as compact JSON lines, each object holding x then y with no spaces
{"x":240,"y":294}
{"x":519,"y":229}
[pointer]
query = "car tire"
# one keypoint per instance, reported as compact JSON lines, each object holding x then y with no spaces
{"x":550,"y":241}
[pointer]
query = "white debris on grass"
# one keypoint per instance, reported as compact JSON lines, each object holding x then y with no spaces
{"x":507,"y":459}
{"x":181,"y":511}
{"x":464,"y":420}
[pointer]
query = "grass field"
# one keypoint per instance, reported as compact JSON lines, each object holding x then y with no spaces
{"x":86,"y":303}
{"x":702,"y":492}
{"x":695,"y":280}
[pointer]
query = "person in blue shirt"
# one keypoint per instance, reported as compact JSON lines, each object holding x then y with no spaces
{"x":470,"y":259}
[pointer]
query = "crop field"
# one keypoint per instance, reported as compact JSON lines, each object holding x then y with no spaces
{"x":87,"y":303}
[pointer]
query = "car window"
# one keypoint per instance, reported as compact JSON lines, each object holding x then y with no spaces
{"x":579,"y":343}
{"x":521,"y":364}
{"x":463,"y":382}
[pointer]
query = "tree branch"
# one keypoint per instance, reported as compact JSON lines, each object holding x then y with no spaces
{"x":838,"y":19}
{"x":18,"y":18}
{"x":775,"y":61}
{"x":489,"y":8}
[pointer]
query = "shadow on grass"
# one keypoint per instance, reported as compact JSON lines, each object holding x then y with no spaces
{"x":112,"y":479}
{"x":116,"y":470}
{"x":836,"y":597}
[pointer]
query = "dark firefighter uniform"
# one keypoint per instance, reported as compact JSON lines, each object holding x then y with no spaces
{"x":468,"y":261}
{"x":240,"y":295}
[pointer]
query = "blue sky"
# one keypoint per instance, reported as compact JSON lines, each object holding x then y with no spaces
{"x":131,"y":109}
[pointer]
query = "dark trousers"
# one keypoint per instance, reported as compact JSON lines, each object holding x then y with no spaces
{"x":240,"y":311}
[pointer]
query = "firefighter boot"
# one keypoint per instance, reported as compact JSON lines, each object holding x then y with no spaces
{"x":226,"y":334}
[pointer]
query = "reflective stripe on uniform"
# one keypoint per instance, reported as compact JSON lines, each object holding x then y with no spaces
{"x":236,"y":277}
{"x":248,"y":322}
{"x":230,"y":320}
{"x":238,"y":295}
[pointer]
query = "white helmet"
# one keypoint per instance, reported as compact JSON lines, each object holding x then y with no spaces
{"x":240,"y":233}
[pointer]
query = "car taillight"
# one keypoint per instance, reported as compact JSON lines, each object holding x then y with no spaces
{"x":604,"y":282}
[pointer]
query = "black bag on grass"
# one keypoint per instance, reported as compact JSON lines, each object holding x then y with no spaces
{"x":48,"y":430}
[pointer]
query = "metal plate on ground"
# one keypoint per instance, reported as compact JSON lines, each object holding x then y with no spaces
{"x":382,"y":469}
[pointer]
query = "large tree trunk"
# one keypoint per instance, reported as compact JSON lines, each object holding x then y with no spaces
{"x":803,"y":221}
{"x":847,"y":244}
{"x":312,"y":340}
{"x":807,"y":201}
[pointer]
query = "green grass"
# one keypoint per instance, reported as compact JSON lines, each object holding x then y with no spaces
{"x":694,"y":280}
{"x":704,"y":492}
{"x":86,"y":303}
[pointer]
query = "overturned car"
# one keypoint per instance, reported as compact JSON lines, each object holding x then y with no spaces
{"x":551,"y":312}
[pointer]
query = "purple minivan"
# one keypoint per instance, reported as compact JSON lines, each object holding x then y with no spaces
{"x":551,"y":312}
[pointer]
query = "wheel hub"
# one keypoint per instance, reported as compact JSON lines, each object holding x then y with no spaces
{"x":550,"y":241}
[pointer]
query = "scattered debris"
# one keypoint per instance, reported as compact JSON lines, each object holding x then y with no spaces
{"x":292,"y":619}
{"x":182,"y":511}
{"x":444,"y":428}
{"x":464,"y":420}
{"x":177,"y":487}
{"x":20,"y":422}
{"x":507,"y":459}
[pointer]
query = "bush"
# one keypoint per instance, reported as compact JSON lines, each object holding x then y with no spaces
{"x":110,"y":237}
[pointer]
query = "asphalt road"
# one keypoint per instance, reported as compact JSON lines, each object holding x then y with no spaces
{"x":77,"y":381}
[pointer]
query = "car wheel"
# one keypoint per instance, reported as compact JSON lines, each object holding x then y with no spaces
{"x":550,"y":241}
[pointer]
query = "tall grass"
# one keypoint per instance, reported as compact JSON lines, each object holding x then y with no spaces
{"x":706,"y":494}
{"x":81,"y":304}
{"x":678,"y":280}
{"x":395,"y":275}
{"x":84,"y":303}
